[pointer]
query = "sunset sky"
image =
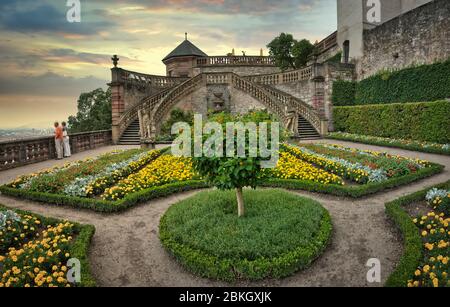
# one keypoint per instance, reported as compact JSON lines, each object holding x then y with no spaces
{"x":46,"y":62}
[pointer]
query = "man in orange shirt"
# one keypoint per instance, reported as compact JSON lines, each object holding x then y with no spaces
{"x":59,"y":139}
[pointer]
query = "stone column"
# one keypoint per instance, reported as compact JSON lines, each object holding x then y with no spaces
{"x":117,"y":102}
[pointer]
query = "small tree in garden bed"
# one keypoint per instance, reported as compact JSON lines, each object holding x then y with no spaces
{"x":241,"y":166}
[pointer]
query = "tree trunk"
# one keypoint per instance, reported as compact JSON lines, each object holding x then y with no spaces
{"x":240,"y":200}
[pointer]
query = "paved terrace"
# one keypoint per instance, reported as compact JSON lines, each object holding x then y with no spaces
{"x":126,"y":250}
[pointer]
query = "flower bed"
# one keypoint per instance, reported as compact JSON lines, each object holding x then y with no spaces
{"x":381,"y":166}
{"x":425,"y":262}
{"x":164,"y":170}
{"x":119,"y":180}
{"x":443,"y":149}
{"x":34,"y":250}
{"x":291,"y":167}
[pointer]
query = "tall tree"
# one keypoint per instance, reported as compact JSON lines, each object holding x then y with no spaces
{"x":94,"y":112}
{"x":290,"y":53}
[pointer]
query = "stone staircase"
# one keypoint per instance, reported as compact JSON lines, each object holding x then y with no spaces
{"x":306,"y":131}
{"x":131,"y":135}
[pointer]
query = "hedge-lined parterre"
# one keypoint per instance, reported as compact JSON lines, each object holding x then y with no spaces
{"x":280,"y":234}
{"x":34,"y":250}
{"x":425,"y":262}
{"x":442,"y":149}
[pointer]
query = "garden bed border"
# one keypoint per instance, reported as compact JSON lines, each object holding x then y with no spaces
{"x":413,"y":253}
{"x":387,"y":144}
{"x":79,"y":248}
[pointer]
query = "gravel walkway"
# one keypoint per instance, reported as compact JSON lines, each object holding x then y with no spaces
{"x":126,"y":251}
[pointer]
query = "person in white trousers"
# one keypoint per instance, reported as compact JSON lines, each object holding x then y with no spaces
{"x":66,"y":140}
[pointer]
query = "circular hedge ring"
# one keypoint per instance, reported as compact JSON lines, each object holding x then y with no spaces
{"x":280,"y":234}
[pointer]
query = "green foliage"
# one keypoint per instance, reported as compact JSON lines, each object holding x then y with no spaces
{"x":94,"y":112}
{"x":337,"y":58}
{"x":394,"y":143}
{"x":428,"y":122}
{"x":344,"y":93}
{"x":290,"y":53}
{"x":228,"y":173}
{"x":176,"y":116}
{"x":104,"y":206}
{"x":281,"y":234}
{"x":413,"y":84}
{"x":412,"y":255}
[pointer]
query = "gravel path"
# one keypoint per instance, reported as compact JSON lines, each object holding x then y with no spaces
{"x":126,"y":251}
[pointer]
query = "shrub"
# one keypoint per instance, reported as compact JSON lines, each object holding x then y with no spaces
{"x":413,"y":84}
{"x":428,"y":122}
{"x":280,"y":234}
{"x":344,"y":93}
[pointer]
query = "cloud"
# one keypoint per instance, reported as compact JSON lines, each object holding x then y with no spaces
{"x":49,"y":84}
{"x":47,"y":18}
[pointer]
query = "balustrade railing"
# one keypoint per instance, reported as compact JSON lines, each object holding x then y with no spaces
{"x":25,"y":151}
{"x":306,"y":73}
{"x":172,"y":97}
{"x":146,"y":104}
{"x":327,"y":43}
{"x":236,"y":61}
{"x":150,"y":80}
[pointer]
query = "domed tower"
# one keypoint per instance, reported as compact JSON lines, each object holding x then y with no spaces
{"x":182,"y":60}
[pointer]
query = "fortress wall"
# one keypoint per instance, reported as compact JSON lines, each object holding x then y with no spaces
{"x":420,"y":36}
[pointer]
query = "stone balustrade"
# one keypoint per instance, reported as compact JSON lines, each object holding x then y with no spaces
{"x":236,"y":61}
{"x":327,"y":43}
{"x":291,"y":76}
{"x":149,"y":80}
{"x":32,"y":150}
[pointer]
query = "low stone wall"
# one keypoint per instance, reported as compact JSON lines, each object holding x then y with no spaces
{"x":32,"y":150}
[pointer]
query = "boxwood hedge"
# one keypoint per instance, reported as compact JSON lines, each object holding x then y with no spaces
{"x":244,"y":251}
{"x":428,"y":122}
{"x":413,"y":84}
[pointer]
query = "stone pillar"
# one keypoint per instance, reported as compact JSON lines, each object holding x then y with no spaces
{"x":117,"y":102}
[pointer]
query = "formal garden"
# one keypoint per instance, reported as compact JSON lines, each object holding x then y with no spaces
{"x":230,"y":233}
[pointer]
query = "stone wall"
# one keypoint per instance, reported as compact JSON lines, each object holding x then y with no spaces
{"x":304,"y":90}
{"x":201,"y":100}
{"x":420,"y":36}
{"x":33,"y":150}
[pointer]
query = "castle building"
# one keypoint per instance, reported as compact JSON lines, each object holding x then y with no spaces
{"x":363,"y":15}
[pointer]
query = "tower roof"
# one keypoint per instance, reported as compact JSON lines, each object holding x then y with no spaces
{"x":186,"y":48}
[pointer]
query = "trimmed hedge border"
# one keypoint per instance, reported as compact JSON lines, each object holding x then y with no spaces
{"x":106,"y":206}
{"x":412,"y":84}
{"x":424,"y":121}
{"x":412,"y":255}
{"x":79,"y":249}
{"x":336,"y":136}
{"x":354,"y":191}
{"x":174,"y":188}
{"x":229,"y":270}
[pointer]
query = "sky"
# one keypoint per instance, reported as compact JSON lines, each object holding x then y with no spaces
{"x":47,"y":62}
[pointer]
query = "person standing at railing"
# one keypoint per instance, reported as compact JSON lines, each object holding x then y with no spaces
{"x":66,"y":140}
{"x":59,"y":139}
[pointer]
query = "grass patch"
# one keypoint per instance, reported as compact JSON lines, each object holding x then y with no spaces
{"x":280,"y":234}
